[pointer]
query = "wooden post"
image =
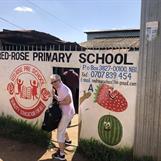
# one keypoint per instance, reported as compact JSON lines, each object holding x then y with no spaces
{"x":148,"y":107}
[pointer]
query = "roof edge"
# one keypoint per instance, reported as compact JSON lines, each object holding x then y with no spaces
{"x":112,"y":30}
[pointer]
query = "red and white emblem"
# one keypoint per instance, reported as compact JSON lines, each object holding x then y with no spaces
{"x":27,"y":91}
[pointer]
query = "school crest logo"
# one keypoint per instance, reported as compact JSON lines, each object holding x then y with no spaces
{"x":27,"y":90}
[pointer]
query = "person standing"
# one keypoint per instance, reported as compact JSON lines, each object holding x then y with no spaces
{"x":65,"y":99}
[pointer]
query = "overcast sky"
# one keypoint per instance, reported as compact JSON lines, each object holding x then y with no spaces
{"x":69,"y":19}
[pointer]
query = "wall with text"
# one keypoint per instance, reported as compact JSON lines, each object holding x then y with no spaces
{"x":107,"y":89}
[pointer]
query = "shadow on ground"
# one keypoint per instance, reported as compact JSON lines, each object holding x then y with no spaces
{"x":11,"y":150}
{"x":78,"y":157}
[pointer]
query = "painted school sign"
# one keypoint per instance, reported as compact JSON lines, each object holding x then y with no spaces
{"x":106,"y":89}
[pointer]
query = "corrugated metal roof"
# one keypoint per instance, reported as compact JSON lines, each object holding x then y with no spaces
{"x":28,"y":37}
{"x":112,"y":43}
{"x":105,"y":34}
{"x":39,"y":40}
{"x":113,"y":30}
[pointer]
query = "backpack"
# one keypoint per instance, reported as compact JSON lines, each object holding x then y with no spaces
{"x":52,"y":117}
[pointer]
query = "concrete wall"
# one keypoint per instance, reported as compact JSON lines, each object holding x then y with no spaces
{"x":148,"y":118}
{"x":107,"y":89}
{"x":108,"y":97}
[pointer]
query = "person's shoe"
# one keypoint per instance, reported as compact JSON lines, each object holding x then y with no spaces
{"x":58,"y":156}
{"x":56,"y":153}
{"x":68,"y":142}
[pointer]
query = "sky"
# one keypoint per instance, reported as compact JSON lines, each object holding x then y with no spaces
{"x":69,"y":19}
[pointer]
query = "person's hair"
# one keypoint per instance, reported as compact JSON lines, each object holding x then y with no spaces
{"x":55,"y":77}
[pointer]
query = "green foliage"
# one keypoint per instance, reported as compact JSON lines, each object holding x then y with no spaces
{"x":144,"y":158}
{"x":22,"y":131}
{"x":96,"y":151}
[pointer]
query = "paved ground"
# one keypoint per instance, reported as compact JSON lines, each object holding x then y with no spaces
{"x":11,"y":150}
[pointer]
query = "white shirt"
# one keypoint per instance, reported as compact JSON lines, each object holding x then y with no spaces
{"x":62,"y":92}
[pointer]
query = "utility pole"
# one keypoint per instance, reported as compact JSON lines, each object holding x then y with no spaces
{"x":148,"y":107}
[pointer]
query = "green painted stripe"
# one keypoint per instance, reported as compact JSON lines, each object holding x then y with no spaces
{"x":119,"y":132}
{"x":108,"y":134}
{"x":101,"y":127}
{"x":105,"y":131}
{"x":113,"y":130}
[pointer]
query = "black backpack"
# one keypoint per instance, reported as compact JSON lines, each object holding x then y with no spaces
{"x":52,"y":117}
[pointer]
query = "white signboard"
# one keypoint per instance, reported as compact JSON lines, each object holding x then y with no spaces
{"x":151,"y":30}
{"x":103,"y":84}
{"x":108,"y":97}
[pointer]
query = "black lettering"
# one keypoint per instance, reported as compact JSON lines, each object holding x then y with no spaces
{"x":4,"y":55}
{"x":90,"y":88}
{"x":21,"y":56}
{"x":61,"y":57}
{"x":48,"y":57}
{"x":82,"y":58}
{"x":118,"y":58}
{"x":40,"y":58}
{"x":55,"y":57}
{"x":27,"y":56}
{"x":125,"y":60}
{"x":109,"y":58}
{"x":102,"y":58}
{"x":12,"y":55}
{"x":35,"y":54}
{"x":68,"y":56}
{"x":89,"y":58}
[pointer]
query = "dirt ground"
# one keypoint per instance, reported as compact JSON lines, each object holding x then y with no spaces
{"x":11,"y":150}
